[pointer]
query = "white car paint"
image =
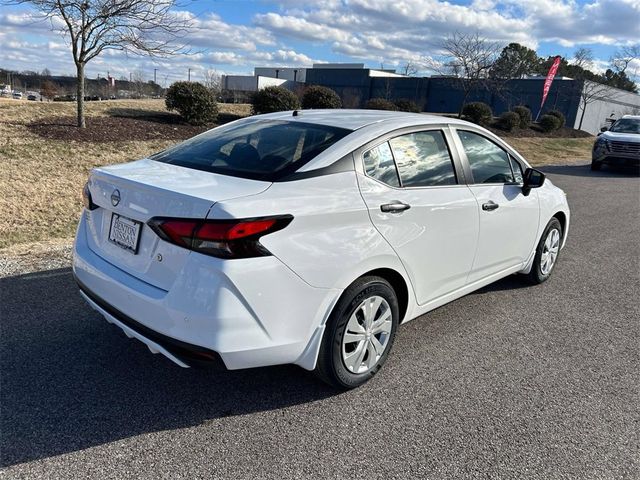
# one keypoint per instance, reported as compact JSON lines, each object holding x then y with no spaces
{"x":272,"y":309}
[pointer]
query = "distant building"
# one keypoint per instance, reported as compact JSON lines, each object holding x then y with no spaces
{"x":356,"y":84}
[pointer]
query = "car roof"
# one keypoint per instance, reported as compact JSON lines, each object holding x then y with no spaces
{"x":634,"y":117}
{"x":354,"y":119}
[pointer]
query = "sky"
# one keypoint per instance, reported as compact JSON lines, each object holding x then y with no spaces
{"x":234,"y":36}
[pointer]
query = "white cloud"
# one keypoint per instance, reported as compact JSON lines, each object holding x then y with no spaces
{"x":300,"y":28}
{"x":374,"y":31}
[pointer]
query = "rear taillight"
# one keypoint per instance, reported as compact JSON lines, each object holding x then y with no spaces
{"x":86,"y":198}
{"x":220,"y":238}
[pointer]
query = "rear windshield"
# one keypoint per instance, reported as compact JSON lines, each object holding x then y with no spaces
{"x":256,"y":149}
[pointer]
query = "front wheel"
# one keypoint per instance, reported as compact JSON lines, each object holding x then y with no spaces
{"x":547,"y":252}
{"x":595,"y":165}
{"x":359,"y":333}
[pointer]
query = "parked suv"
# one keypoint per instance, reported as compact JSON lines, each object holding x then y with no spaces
{"x":307,"y":237}
{"x":619,"y":144}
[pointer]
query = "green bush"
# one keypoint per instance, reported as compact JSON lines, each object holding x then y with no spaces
{"x":549,"y":123}
{"x":274,"y":99}
{"x":478,"y":112}
{"x":380,"y":104}
{"x":193,"y":101}
{"x":509,"y":121}
{"x":559,"y":115}
{"x":405,"y":105}
{"x":525,"y":115}
{"x":320,"y":97}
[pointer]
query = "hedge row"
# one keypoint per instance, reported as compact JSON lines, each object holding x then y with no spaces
{"x":197,"y":105}
{"x":520,"y":117}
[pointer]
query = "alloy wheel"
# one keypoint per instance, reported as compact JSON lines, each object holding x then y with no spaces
{"x":366,"y":335}
{"x":550,"y":251}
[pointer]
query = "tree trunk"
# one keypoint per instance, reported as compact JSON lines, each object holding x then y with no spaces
{"x":464,"y":102}
{"x":584,"y":109}
{"x":80,"y":95}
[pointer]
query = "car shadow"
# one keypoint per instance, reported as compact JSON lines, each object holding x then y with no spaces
{"x":512,"y":282}
{"x":71,"y":381}
{"x":607,"y":171}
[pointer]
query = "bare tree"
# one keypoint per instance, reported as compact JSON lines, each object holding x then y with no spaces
{"x":138,"y":83}
{"x":48,"y":89}
{"x":468,"y":59}
{"x":622,"y":58}
{"x":409,"y":69}
{"x":583,"y":58}
{"x":592,"y":92}
{"x":135,"y":26}
{"x":213,"y":81}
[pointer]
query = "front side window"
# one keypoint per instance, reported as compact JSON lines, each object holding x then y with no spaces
{"x":258,"y":149}
{"x":518,"y":174}
{"x":423,"y":159}
{"x":489,"y":163}
{"x":379,"y":164}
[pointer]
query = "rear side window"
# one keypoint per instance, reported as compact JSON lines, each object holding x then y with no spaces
{"x":489,"y":163}
{"x":379,"y":164}
{"x":423,"y":159}
{"x":256,"y":149}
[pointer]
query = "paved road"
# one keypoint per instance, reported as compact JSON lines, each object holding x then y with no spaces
{"x":511,"y":382}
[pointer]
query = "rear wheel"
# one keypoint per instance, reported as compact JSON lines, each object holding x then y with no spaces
{"x":547,"y":252}
{"x":359,"y":333}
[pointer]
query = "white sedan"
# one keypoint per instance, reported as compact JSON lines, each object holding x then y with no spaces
{"x":307,"y":237}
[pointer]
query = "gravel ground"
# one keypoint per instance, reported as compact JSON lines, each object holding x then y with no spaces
{"x":35,"y":257}
{"x":513,"y":381}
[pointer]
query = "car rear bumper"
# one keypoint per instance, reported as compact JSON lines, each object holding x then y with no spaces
{"x":248,"y":312}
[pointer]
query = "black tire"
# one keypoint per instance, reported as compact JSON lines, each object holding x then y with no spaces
{"x":330,"y":366}
{"x":595,"y":166}
{"x":536,"y":275}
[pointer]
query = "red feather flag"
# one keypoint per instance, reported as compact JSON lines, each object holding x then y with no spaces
{"x":549,"y":80}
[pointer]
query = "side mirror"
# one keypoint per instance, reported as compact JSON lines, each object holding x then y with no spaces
{"x":532,"y":179}
{"x":604,"y":129}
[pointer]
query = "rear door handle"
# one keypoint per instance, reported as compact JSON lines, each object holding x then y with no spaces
{"x":490,"y":205}
{"x":394,"y":207}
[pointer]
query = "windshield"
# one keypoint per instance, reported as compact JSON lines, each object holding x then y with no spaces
{"x":256,"y":149}
{"x":626,"y":125}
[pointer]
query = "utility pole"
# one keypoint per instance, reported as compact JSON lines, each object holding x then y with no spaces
{"x":155,"y":70}
{"x":130,"y":77}
{"x":189,"y":77}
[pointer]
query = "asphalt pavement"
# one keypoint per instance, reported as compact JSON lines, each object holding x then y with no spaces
{"x":513,"y":381}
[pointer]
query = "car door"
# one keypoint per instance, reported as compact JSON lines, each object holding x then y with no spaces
{"x":508,"y":218}
{"x":410,"y":185}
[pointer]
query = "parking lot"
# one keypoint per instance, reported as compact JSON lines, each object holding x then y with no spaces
{"x":513,"y":381}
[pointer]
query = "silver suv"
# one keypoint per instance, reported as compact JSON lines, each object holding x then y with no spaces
{"x":618,"y":145}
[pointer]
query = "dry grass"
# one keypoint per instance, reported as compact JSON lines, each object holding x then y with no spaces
{"x":41,"y":179}
{"x":553,"y":151}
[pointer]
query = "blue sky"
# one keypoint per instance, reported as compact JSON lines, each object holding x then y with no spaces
{"x":233,"y":36}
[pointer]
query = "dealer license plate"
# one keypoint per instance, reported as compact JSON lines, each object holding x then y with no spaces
{"x":125,"y":232}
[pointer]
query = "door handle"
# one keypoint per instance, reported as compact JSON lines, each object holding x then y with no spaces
{"x":490,"y":205}
{"x":394,"y":207}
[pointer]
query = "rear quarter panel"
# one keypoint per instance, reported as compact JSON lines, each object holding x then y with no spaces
{"x":331,"y":240}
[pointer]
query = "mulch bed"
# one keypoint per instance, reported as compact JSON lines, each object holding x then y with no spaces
{"x":115,"y":129}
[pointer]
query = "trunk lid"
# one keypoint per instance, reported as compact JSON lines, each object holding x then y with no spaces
{"x":144,"y":189}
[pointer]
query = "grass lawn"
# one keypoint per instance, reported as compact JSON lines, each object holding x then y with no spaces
{"x":41,"y":178}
